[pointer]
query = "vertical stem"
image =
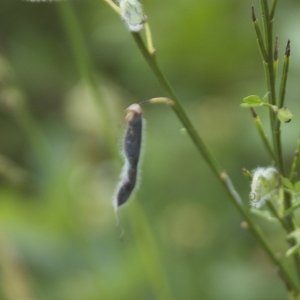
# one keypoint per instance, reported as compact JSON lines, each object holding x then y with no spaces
{"x":216,"y":168}
{"x":275,"y":123}
{"x":178,"y":109}
{"x":273,"y":9}
{"x":285,"y":72}
{"x":269,"y":66}
{"x":150,"y":254}
{"x":85,"y":67}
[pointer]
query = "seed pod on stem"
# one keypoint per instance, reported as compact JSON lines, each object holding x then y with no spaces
{"x":131,"y":152}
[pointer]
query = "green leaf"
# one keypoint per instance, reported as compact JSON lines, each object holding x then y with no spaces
{"x":263,"y":214}
{"x":246,"y":105}
{"x":295,"y":235}
{"x":286,"y":182}
{"x":297,"y":187}
{"x":253,"y":100}
{"x":266,"y":97}
{"x":293,"y":250}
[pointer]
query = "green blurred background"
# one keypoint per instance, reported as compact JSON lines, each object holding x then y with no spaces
{"x":180,"y":237}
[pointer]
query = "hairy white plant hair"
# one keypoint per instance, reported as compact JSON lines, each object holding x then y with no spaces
{"x":132,"y":14}
{"x":265,"y":183}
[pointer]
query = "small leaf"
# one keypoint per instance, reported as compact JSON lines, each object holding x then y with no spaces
{"x":253,"y":100}
{"x":297,"y":187}
{"x":263,"y":214}
{"x":266,"y":97}
{"x":286,"y":182}
{"x":295,"y":235}
{"x":292,"y":250}
{"x":246,"y":105}
{"x":285,"y":115}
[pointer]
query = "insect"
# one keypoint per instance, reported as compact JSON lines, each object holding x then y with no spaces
{"x":131,"y":152}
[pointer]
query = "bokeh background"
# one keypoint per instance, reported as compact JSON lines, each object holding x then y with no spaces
{"x":68,"y":70}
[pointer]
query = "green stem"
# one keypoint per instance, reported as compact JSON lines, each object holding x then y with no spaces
{"x":285,"y":72}
{"x":273,"y":9}
{"x":275,"y":123}
{"x":270,"y":74}
{"x":289,"y":281}
{"x":262,"y":134}
{"x":295,"y":164}
{"x":213,"y":164}
{"x":216,"y":168}
{"x":178,"y":109}
{"x":85,"y":68}
{"x":259,"y":36}
{"x":34,"y":134}
{"x":149,"y":252}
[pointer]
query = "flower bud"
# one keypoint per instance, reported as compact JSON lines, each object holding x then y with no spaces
{"x":285,"y":115}
{"x":132,"y":14}
{"x":265,"y":183}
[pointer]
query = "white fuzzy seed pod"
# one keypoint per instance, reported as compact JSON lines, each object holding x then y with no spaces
{"x":131,"y":152}
{"x":265,"y":183}
{"x":132,"y":14}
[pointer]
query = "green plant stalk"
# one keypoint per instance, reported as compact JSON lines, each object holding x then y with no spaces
{"x":275,"y":61}
{"x":287,"y":196}
{"x":273,"y":9}
{"x":149,"y":252}
{"x":260,"y":40}
{"x":284,"y":274}
{"x":262,"y":133}
{"x":284,"y":77}
{"x":215,"y":167}
{"x":85,"y":68}
{"x":295,"y":163}
{"x":178,"y":109}
{"x":213,"y":164}
{"x":34,"y":135}
{"x":275,"y":123}
{"x":152,"y":262}
{"x":276,"y":214}
{"x":270,"y":74}
{"x":113,"y":6}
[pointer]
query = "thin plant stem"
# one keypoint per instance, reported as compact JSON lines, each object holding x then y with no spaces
{"x":285,"y":72}
{"x":150,"y":255}
{"x":215,"y":167}
{"x":275,"y":61}
{"x":178,"y":109}
{"x":34,"y":134}
{"x":295,"y":163}
{"x":85,"y":67}
{"x":149,"y":40}
{"x":260,"y":40}
{"x":262,"y":133}
{"x":208,"y":157}
{"x":113,"y":6}
{"x":273,"y":9}
{"x":284,"y":274}
{"x":275,"y":123}
{"x":270,"y":74}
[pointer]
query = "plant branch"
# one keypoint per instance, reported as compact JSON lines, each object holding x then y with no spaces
{"x":178,"y":109}
{"x":295,"y":163}
{"x":284,"y":274}
{"x":225,"y":180}
{"x":285,"y":71}
{"x":204,"y":151}
{"x":261,"y":132}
